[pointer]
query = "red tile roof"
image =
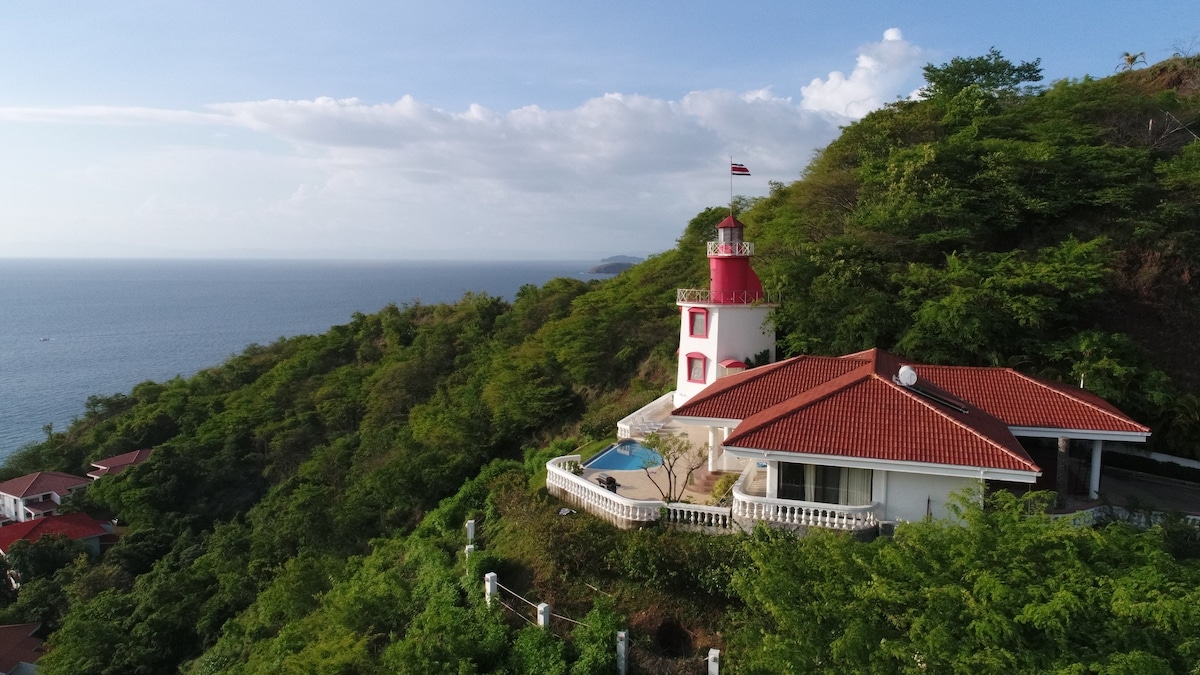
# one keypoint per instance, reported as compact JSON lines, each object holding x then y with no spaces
{"x":744,"y":394}
{"x":71,"y":525}
{"x":853,"y":406}
{"x":1026,"y":401}
{"x":866,"y":415}
{"x":117,"y":463}
{"x":18,"y":645}
{"x":42,"y":482}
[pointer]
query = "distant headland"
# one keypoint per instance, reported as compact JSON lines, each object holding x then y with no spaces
{"x":615,"y":264}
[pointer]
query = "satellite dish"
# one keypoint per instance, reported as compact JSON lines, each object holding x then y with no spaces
{"x":907,"y":376}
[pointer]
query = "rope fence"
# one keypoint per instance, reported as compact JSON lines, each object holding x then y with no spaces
{"x":516,"y":595}
{"x":567,"y":618}
{"x":514,"y":610}
{"x":492,"y":589}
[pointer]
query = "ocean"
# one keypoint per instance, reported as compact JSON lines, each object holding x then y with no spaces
{"x":73,"y":328}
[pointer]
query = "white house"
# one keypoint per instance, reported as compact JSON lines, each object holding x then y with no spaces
{"x":847,"y":441}
{"x":888,"y":439}
{"x":37,"y":495}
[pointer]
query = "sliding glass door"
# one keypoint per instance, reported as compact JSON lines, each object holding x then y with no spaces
{"x":824,"y":484}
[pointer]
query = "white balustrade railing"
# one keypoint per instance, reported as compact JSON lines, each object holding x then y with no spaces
{"x":648,"y":418}
{"x":699,"y":516}
{"x":564,"y":484}
{"x":794,"y":512}
{"x":808,"y":514}
{"x":705,"y":296}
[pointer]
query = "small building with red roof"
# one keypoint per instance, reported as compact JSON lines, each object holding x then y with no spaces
{"x":37,"y":495}
{"x":19,"y":649}
{"x":118,"y":463}
{"x":74,"y":526}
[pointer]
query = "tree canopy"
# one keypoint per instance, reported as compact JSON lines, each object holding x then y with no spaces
{"x":991,"y":73}
{"x":997,"y":590}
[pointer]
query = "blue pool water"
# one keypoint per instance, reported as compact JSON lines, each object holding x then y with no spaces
{"x":625,"y":456}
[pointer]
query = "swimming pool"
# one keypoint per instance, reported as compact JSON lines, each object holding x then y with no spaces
{"x":625,"y":456}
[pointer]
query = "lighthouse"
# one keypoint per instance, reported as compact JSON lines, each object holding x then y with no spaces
{"x":726,"y":325}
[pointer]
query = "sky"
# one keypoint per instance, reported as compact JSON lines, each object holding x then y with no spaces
{"x":465,"y":130}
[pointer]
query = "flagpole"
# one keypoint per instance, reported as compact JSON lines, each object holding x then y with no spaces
{"x":731,"y":186}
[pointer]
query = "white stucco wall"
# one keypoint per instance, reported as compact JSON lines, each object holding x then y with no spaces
{"x":909,"y":496}
{"x":734,"y":332}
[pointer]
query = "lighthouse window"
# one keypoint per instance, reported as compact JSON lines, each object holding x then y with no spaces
{"x":698,"y":323}
{"x":696,"y":366}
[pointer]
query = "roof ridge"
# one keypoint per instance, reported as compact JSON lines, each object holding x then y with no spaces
{"x":939,"y":410}
{"x":1044,"y":384}
{"x":818,"y":393}
{"x":860,"y":354}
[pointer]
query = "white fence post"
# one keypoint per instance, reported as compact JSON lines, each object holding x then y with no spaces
{"x":714,"y":662}
{"x":489,"y":586}
{"x":471,"y":531}
{"x":622,"y":651}
{"x":543,"y":615}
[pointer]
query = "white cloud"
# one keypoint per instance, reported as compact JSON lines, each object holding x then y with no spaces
{"x":880,"y":75}
{"x":342,"y":177}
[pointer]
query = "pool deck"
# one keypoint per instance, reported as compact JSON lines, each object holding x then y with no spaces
{"x":637,"y":483}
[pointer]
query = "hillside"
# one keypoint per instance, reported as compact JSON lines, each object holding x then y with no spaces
{"x":1052,"y":229}
{"x":304,"y":507}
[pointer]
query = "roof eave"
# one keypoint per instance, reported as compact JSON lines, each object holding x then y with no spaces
{"x":927,"y":468}
{"x":709,"y":421}
{"x":1084,"y":434}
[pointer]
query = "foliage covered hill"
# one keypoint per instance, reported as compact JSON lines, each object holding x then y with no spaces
{"x":1056,"y":230}
{"x":290,"y":458}
{"x":303,"y":508}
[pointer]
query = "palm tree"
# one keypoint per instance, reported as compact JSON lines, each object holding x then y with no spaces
{"x":1129,"y":60}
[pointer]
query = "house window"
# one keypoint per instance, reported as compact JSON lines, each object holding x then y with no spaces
{"x":698,"y":322}
{"x":697,"y":366}
{"x":825,"y":484}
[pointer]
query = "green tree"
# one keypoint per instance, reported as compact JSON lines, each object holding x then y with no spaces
{"x":42,"y":558}
{"x":1001,"y":589}
{"x":992,"y":73}
{"x":680,"y":459}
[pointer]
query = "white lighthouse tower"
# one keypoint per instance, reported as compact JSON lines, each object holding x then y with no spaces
{"x":726,"y":325}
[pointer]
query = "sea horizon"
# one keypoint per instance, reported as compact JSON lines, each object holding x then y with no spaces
{"x":74,"y":327}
